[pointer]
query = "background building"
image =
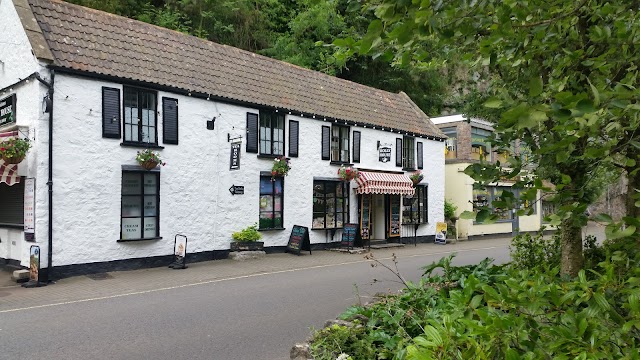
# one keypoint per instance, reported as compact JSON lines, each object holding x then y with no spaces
{"x":467,"y":143}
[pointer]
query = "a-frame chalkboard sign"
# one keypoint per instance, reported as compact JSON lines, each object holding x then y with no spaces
{"x":299,"y":240}
{"x":350,"y":236}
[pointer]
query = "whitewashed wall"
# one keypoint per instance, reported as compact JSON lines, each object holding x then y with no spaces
{"x":194,"y":195}
{"x":17,"y":63}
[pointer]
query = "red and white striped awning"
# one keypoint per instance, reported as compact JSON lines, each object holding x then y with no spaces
{"x":384,"y":183}
{"x":8,"y":172}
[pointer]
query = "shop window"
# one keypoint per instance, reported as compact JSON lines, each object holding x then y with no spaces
{"x":271,"y":133}
{"x":330,"y":204}
{"x":140,"y":124}
{"x":480,"y":146}
{"x":140,"y":205}
{"x":408,"y":153}
{"x":271,"y":202}
{"x":415,"y":208}
{"x":451,"y":144}
{"x":12,"y":208}
{"x":484,"y":198}
{"x":548,"y":208}
{"x":340,"y":144}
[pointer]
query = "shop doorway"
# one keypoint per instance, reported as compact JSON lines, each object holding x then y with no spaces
{"x":380,"y":217}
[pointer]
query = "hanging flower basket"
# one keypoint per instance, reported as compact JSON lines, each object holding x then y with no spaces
{"x":347,"y":173}
{"x":13,"y":160}
{"x":149,"y":164}
{"x":280,"y":167}
{"x":14,"y":150}
{"x":416,"y":177}
{"x":148,"y":159}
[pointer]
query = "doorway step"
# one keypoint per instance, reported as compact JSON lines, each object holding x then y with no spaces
{"x":384,"y":244}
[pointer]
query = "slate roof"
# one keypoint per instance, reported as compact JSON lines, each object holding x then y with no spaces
{"x":96,"y":42}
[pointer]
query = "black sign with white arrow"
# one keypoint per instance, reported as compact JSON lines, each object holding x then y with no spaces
{"x":236,"y":190}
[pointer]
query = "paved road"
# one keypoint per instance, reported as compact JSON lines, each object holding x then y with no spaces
{"x":253,"y":316}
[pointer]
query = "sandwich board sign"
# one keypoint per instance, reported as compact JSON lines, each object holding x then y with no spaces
{"x":441,"y":233}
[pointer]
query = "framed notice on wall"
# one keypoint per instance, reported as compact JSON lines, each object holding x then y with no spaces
{"x":394,"y":216}
{"x":29,"y":209}
{"x":365,"y":217}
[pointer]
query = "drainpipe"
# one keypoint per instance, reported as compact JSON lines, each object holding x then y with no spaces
{"x":49,"y":85}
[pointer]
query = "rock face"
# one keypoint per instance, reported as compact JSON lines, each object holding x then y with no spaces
{"x":246,"y":255}
{"x":300,"y":352}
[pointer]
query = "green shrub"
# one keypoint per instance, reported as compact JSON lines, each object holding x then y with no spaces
{"x":502,"y":312}
{"x":330,"y":342}
{"x":535,"y":252}
{"x":249,"y":233}
{"x":449,"y":210}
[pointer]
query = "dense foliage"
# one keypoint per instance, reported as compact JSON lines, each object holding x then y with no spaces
{"x":564,"y":83}
{"x":502,"y":312}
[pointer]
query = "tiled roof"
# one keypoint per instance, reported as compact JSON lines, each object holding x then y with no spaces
{"x":96,"y":42}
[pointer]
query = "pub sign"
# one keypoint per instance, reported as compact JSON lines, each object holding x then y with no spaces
{"x":8,"y":110}
{"x":384,"y":152}
{"x":235,"y":156}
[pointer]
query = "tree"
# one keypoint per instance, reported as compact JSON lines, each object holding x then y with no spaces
{"x":564,"y":75}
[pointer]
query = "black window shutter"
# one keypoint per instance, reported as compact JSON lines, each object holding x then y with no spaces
{"x":326,"y":143}
{"x":356,"y":146}
{"x":111,"y":113}
{"x":399,"y":152}
{"x":170,"y":121}
{"x":252,"y":133}
{"x":293,"y":138}
{"x":419,"y":146}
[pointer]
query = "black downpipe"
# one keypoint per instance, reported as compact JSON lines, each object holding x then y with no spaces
{"x":49,"y":86}
{"x":50,"y":184}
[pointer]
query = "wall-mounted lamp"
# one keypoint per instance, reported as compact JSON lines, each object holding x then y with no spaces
{"x":47,"y":104}
{"x":211,"y":123}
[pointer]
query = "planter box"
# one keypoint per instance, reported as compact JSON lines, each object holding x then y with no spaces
{"x":247,"y":245}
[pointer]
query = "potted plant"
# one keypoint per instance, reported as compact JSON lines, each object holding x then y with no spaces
{"x":14,"y":150}
{"x":416,"y":177}
{"x":450,"y":217}
{"x":347,"y":173}
{"x":149,"y":159}
{"x":247,"y":239}
{"x":280,"y":167}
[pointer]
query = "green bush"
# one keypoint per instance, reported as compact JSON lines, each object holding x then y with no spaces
{"x":449,"y":210}
{"x":249,"y":233}
{"x":535,"y":252}
{"x":502,"y":312}
{"x":330,"y":342}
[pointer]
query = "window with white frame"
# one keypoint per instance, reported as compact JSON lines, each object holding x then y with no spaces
{"x":140,"y":122}
{"x":408,"y":153}
{"x":485,"y":197}
{"x":340,"y":144}
{"x":271,"y":133}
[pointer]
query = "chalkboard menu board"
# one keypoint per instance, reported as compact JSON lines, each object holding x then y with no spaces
{"x":349,"y":235}
{"x":299,"y":240}
{"x":394,"y":214}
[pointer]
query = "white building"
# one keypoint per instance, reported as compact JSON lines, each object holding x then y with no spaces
{"x":114,"y":86}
